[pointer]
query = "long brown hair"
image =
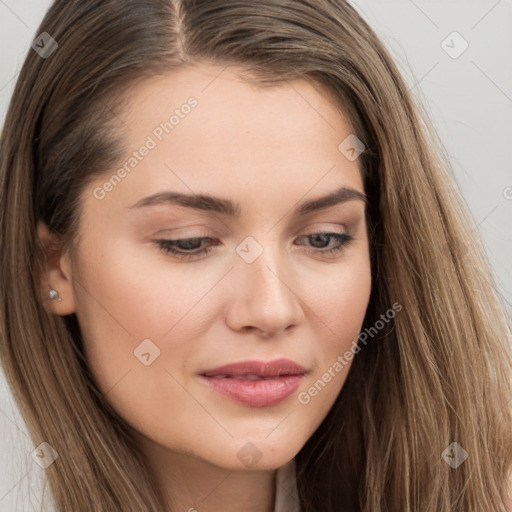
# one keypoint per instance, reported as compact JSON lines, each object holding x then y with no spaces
{"x":440,"y":372}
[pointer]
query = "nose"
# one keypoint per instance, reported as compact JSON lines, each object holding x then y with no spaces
{"x":265,"y":297}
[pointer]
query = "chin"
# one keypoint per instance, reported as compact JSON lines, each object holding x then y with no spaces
{"x":255,"y":455}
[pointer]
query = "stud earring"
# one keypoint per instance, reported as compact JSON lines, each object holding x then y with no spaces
{"x":54,"y":295}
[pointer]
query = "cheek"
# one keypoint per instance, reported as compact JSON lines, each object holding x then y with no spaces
{"x":349,"y":301}
{"x":339,"y":305}
{"x":122,"y":301}
{"x":339,"y":299}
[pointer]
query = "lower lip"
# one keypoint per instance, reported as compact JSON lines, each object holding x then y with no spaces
{"x":256,"y":393}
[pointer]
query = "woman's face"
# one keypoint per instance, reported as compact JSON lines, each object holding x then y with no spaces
{"x":269,"y":287}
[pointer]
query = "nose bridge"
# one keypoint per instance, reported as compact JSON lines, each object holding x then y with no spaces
{"x":265,"y":297}
{"x":265,"y":274}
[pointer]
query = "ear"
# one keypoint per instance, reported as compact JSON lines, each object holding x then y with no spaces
{"x":57,"y":274}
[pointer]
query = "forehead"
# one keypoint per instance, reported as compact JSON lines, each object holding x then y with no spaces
{"x":203,"y":129}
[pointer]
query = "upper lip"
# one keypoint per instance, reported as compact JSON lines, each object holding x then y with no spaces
{"x":275,"y":368}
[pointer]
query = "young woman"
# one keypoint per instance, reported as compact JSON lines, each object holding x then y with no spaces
{"x":237,"y":275}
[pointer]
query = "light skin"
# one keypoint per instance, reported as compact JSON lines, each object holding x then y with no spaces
{"x":269,"y":150}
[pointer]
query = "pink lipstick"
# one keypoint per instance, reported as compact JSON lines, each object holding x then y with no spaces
{"x":256,"y":383}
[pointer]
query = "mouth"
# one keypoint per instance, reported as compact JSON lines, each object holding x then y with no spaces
{"x":256,"y":383}
{"x":243,"y":377}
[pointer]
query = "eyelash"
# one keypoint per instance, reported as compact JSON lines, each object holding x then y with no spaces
{"x":166,"y":245}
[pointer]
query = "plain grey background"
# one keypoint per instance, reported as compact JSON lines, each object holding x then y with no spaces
{"x":457,"y":58}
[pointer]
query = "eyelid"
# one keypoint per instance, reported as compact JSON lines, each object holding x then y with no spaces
{"x":344,"y":240}
{"x":319,"y":226}
{"x":215,"y":239}
{"x":212,"y":233}
{"x":174,"y":230}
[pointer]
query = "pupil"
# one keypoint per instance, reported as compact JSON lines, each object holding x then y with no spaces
{"x":323,"y":237}
{"x":190,"y":243}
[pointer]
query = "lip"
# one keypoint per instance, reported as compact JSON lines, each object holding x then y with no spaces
{"x":267,"y":382}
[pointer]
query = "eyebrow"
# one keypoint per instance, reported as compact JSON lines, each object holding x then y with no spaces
{"x":210,"y":203}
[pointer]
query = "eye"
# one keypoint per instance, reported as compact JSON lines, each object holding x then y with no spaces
{"x":181,"y":248}
{"x":322,"y":239}
{"x":188,"y":248}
